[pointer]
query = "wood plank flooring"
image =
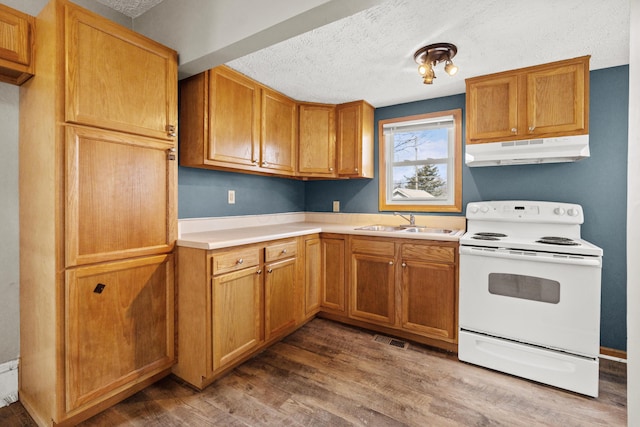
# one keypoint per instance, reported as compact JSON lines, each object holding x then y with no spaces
{"x":328,"y":374}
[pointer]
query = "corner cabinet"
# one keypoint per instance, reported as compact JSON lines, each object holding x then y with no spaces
{"x":98,"y":215}
{"x":16,"y":45}
{"x":317,"y":140}
{"x":543,"y":101}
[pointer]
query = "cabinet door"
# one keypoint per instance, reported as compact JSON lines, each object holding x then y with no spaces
{"x":333,"y":274}
{"x":236,"y":309}
{"x":372,"y":288}
{"x":492,"y":108}
{"x":279,"y":133}
{"x":279,"y":294}
{"x":118,"y":326}
{"x":312,"y":275}
{"x":429,"y":299}
{"x":16,"y":39}
{"x":317,"y":143}
{"x":234,"y":119}
{"x":120,"y":196}
{"x":354,"y":139}
{"x":117,"y":79}
{"x":556,"y":99}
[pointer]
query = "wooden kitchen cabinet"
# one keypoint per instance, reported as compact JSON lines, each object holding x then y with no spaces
{"x":354,"y":139}
{"x":317,"y":140}
{"x":16,"y":45}
{"x":373,"y":281}
{"x":312,"y":275}
{"x":233,"y":302}
{"x":429,"y":290}
{"x":97,"y":214}
{"x":280,"y":282}
{"x":334,"y":292}
{"x":119,"y":325}
{"x":117,"y":79}
{"x":231,"y":122}
{"x":543,"y":101}
{"x":236,"y":319}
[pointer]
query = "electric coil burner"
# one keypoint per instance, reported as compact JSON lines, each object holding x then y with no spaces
{"x":530,"y":293}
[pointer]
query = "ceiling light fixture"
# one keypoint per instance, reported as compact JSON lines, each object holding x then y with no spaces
{"x":431,"y":55}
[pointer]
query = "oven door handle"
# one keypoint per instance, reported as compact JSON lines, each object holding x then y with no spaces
{"x":531,"y":256}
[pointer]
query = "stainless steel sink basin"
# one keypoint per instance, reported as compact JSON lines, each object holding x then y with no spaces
{"x":405,"y":229}
{"x":427,"y":230}
{"x":380,"y":228}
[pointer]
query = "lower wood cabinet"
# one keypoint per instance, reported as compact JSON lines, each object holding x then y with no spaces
{"x":232,"y":303}
{"x":404,"y":287}
{"x":333,"y":281}
{"x":312,"y":275}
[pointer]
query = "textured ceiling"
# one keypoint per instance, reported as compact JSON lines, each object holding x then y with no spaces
{"x":370,"y":54}
{"x":131,"y":8}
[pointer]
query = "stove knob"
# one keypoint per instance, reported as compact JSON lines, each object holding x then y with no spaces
{"x":473,"y":209}
{"x":558,"y":211}
{"x":573,"y":212}
{"x":484,"y":209}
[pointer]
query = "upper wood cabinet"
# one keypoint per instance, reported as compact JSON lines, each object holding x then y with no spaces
{"x":279,"y":133}
{"x":16,"y":45}
{"x":120,"y":201}
{"x":542,"y":101}
{"x":317,"y":140}
{"x":118,"y":80}
{"x":354,"y":139}
{"x":231,"y":122}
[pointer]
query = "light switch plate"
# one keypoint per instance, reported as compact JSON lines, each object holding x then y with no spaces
{"x":336,"y":206}
{"x":232,"y":197}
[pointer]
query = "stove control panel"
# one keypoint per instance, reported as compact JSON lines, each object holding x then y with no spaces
{"x":526,"y":211}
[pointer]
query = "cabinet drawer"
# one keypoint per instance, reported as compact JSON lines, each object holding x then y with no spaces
{"x":281,"y":250}
{"x":236,"y":260}
{"x":373,"y":247}
{"x":428,"y":253}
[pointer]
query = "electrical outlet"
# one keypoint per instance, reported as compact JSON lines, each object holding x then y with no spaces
{"x":231,"y":197}
{"x":336,"y":206}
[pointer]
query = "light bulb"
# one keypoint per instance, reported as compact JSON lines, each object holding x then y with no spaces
{"x":450,"y":68}
{"x":423,"y":68}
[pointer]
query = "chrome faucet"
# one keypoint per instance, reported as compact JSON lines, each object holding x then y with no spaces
{"x":411,"y":219}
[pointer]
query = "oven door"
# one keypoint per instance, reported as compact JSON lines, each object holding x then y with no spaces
{"x":538,"y":298}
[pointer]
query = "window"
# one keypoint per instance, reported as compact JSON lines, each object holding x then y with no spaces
{"x":420,"y":164}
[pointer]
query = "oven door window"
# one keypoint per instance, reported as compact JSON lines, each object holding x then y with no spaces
{"x":524,"y":287}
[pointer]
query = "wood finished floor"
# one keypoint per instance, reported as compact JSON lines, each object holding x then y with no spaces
{"x":328,"y":374}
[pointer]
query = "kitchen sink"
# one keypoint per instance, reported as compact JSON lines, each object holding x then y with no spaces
{"x":405,"y":229}
{"x":380,"y":228}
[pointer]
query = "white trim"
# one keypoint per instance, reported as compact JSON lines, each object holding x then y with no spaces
{"x":8,"y":383}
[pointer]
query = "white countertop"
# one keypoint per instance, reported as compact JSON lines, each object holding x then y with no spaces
{"x":216,"y":233}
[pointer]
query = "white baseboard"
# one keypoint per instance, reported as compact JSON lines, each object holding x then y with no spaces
{"x":8,"y":383}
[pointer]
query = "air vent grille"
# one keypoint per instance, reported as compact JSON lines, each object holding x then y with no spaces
{"x":391,"y":341}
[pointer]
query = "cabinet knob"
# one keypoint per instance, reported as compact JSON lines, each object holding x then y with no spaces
{"x":270,"y":270}
{"x":171,"y":130}
{"x":265,"y":164}
{"x":531,"y":128}
{"x":404,"y":264}
{"x":514,"y":130}
{"x":239,"y":261}
{"x":330,"y":169}
{"x":356,"y":169}
{"x":254,"y":161}
{"x":284,"y":251}
{"x":390,"y":262}
{"x":171,"y":153}
{"x":258,"y":271}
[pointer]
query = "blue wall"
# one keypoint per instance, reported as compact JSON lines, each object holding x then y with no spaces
{"x":598,"y":183}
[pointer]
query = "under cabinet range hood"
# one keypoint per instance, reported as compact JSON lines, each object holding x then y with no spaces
{"x":528,"y":151}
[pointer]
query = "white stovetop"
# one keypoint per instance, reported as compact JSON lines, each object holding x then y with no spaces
{"x":215,"y":233}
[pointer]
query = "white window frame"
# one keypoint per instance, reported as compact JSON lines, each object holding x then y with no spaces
{"x":452,"y":201}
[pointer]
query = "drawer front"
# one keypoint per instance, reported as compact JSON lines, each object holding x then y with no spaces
{"x":373,"y":247}
{"x":283,"y":250}
{"x":235,"y":260}
{"x":429,"y":253}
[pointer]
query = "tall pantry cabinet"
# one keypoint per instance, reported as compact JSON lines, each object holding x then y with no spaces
{"x":98,"y":219}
